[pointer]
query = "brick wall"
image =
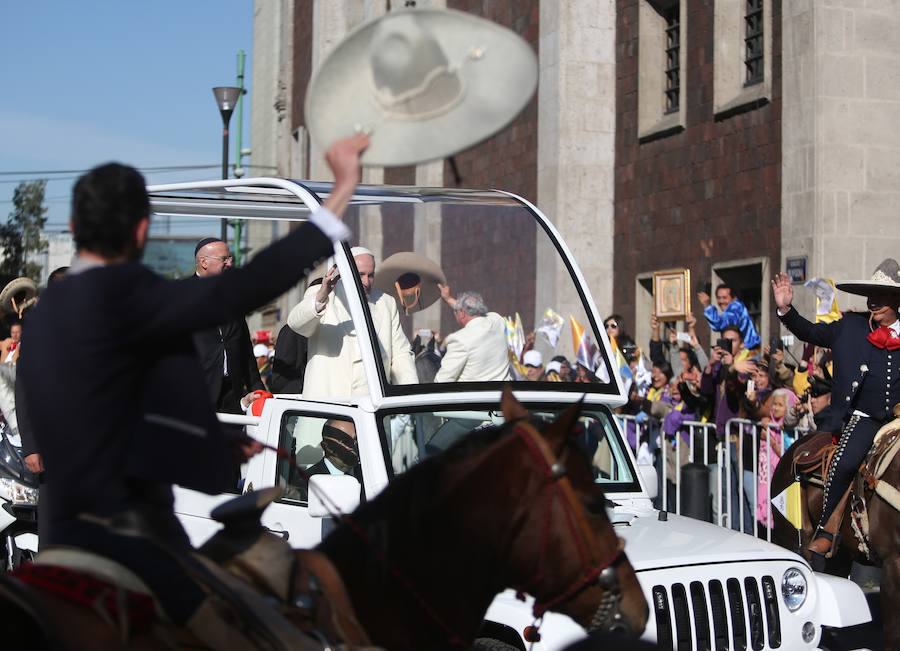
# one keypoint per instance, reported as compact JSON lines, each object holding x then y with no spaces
{"x":709,"y":194}
{"x":472,"y":248}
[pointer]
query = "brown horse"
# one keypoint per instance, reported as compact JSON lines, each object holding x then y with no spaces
{"x":512,"y":506}
{"x":505,"y":507}
{"x":884,"y":536}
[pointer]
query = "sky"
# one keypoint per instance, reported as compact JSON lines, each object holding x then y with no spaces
{"x":86,"y":82}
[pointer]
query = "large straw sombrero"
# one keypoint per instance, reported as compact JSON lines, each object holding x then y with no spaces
{"x":425,"y":83}
{"x":18,"y":294}
{"x":410,"y":278}
{"x":886,"y":279}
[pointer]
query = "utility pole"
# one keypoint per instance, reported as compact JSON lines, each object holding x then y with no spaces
{"x":238,"y":154}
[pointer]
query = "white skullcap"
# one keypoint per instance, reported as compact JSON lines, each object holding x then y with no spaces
{"x":260,"y":350}
{"x":360,"y":250}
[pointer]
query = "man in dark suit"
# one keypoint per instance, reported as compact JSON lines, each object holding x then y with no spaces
{"x":226,"y":352}
{"x":866,"y":352}
{"x":125,"y":413}
{"x":289,"y":362}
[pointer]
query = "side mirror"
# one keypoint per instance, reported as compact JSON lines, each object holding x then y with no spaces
{"x":341,"y":494}
{"x":650,"y":480}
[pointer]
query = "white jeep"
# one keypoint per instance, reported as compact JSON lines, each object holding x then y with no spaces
{"x":708,"y":587}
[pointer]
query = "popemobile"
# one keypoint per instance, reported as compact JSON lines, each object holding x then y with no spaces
{"x":708,"y":587}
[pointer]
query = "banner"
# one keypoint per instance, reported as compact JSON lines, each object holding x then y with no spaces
{"x":551,"y":327}
{"x":587,"y":353}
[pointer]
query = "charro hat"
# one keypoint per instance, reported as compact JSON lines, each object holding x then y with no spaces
{"x":424,"y":83}
{"x":411,"y":278}
{"x":885,"y":279}
{"x":18,"y":294}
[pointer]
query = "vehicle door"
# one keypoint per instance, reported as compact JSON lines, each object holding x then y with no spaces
{"x":306,"y":431}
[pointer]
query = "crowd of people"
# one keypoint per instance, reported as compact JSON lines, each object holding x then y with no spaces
{"x":675,"y":386}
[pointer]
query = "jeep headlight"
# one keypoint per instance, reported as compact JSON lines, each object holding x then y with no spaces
{"x":794,"y":589}
{"x":17,"y":493}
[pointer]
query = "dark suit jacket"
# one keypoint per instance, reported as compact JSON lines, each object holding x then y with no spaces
{"x":123,"y":397}
{"x":234,"y":339}
{"x":289,"y":364}
{"x":846,"y":338}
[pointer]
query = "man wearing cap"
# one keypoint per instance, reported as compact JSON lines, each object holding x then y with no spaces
{"x":866,"y":352}
{"x":335,"y":368}
{"x":534,"y":365}
{"x":477,"y":352}
{"x":226,"y":350}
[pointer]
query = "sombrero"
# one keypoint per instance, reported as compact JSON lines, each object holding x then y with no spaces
{"x":18,"y":294}
{"x":886,"y":279}
{"x":411,"y":278}
{"x":424,"y":83}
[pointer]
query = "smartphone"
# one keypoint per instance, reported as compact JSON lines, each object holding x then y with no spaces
{"x":424,"y":334}
{"x":751,"y":386}
{"x":683,"y":336}
{"x":724,"y":344}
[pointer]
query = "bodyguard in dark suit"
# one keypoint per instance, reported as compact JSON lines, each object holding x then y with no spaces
{"x":289,"y":362}
{"x":866,"y":353}
{"x":125,"y":410}
{"x":226,"y":352}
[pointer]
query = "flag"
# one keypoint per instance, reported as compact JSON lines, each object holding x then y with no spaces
{"x":789,"y":503}
{"x":551,"y":326}
{"x":587,"y":353}
{"x":827,"y":310}
{"x":515,"y":342}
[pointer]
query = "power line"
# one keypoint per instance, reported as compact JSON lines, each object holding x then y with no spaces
{"x":40,"y":175}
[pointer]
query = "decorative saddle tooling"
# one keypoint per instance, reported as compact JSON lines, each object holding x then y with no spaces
{"x":290,"y":599}
{"x":813,"y":457}
{"x":869,"y":483}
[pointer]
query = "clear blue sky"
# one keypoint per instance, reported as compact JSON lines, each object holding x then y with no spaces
{"x":86,"y":82}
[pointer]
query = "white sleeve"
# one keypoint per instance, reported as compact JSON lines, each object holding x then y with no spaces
{"x":326,"y":222}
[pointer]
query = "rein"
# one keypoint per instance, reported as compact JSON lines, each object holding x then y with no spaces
{"x":603,"y":572}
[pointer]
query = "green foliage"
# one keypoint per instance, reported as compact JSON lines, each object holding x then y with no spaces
{"x":21,"y":234}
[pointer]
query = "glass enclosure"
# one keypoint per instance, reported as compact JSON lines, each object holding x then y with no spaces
{"x":511,"y":308}
{"x":412,"y":435}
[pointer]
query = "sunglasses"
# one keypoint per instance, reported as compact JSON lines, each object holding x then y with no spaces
{"x":611,"y":324}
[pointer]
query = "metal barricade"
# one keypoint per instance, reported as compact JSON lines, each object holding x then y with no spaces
{"x":734,"y":486}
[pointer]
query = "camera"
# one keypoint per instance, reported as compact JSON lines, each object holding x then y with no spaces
{"x":724,"y":344}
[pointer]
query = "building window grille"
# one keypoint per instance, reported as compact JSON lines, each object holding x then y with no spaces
{"x":753,"y":42}
{"x":673,"y":58}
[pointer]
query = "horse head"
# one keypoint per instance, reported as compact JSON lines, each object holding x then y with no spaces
{"x":588,"y":576}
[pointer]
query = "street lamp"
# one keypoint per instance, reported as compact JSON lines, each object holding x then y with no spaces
{"x":226,"y":98}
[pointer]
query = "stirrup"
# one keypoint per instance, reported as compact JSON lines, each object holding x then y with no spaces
{"x":818,"y":561}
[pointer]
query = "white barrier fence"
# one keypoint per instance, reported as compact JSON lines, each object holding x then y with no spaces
{"x":734,"y":464}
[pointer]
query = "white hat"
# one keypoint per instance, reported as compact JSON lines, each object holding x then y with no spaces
{"x":260,"y":350}
{"x":533,"y":358}
{"x":425,"y":83}
{"x":554,"y":367}
{"x":886,"y":279}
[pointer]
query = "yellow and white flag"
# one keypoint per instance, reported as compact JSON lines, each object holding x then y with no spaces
{"x":789,"y":503}
{"x":827,"y":310}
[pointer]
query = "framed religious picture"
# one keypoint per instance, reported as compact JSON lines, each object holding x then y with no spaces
{"x":672,"y":294}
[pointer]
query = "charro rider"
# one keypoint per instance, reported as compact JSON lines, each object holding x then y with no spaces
{"x":128,"y":413}
{"x":866,"y":350}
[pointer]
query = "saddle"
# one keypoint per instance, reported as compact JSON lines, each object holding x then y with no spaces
{"x":813,"y":457}
{"x":868,"y":482}
{"x":270,"y":595}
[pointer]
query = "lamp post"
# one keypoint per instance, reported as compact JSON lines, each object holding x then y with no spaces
{"x":226,"y":98}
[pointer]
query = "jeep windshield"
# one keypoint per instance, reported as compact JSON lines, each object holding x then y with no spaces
{"x":412,"y":435}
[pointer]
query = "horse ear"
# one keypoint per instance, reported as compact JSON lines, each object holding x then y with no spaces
{"x":512,"y":409}
{"x":564,"y":426}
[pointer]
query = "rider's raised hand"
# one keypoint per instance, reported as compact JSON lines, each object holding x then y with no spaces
{"x":343,"y":160}
{"x":783,"y":291}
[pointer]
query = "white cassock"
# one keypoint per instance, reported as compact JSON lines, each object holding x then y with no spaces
{"x":334,"y":368}
{"x":477,"y":352}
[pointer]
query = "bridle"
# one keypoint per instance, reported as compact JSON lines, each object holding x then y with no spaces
{"x":608,"y":616}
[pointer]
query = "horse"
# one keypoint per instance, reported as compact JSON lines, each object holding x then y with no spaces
{"x":884,"y":530}
{"x":511,"y":506}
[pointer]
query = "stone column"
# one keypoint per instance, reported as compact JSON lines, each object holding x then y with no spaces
{"x":576,"y":145}
{"x":841,"y":145}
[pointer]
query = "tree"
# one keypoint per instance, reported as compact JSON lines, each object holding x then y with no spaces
{"x":21,"y":234}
